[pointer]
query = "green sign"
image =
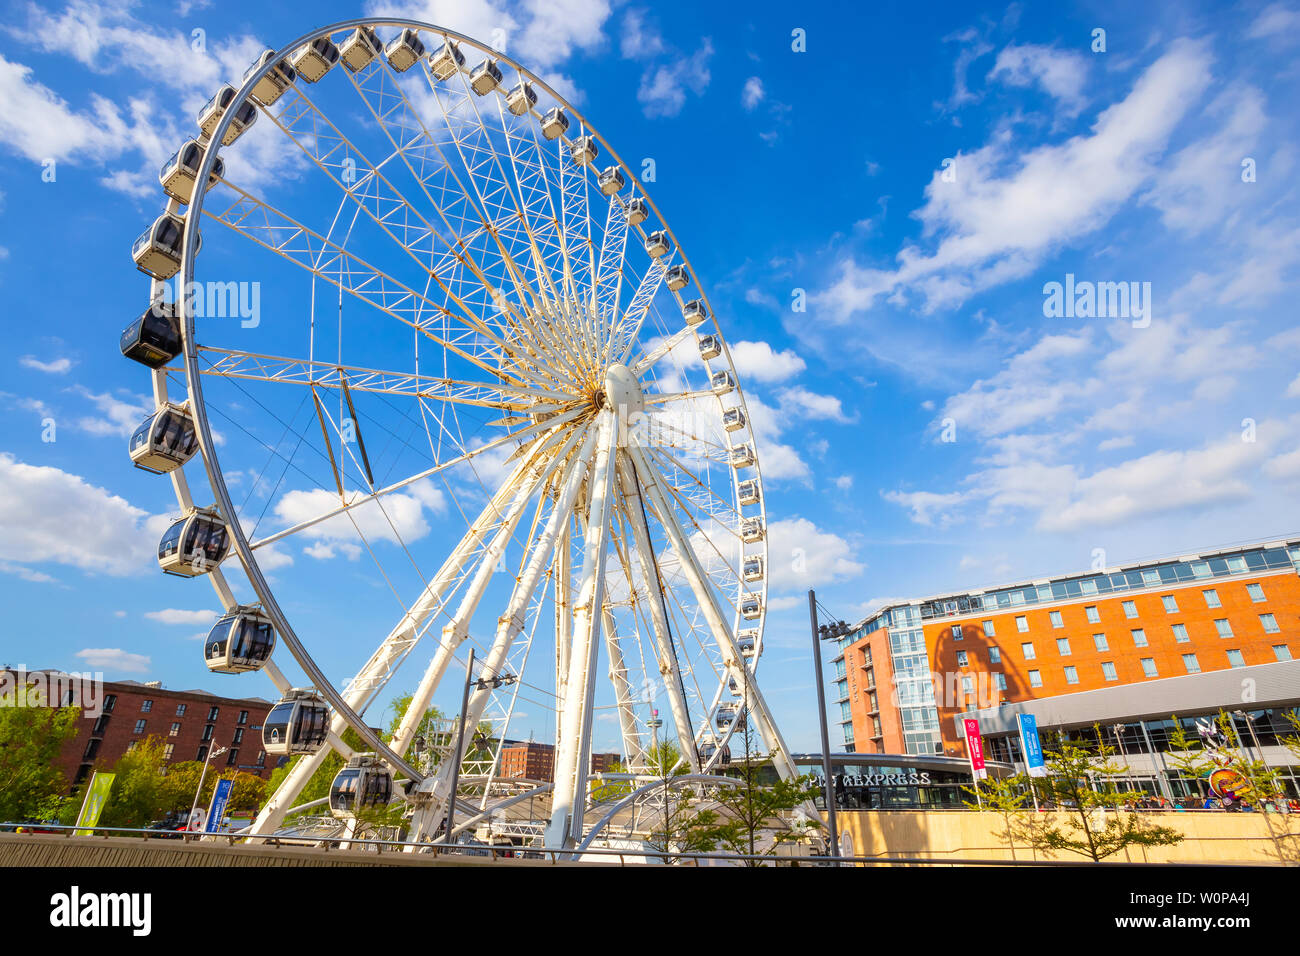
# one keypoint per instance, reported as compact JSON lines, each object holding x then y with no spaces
{"x":96,"y":796}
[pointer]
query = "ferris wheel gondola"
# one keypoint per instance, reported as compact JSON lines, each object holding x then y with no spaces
{"x":297,"y":724}
{"x":363,"y":783}
{"x":242,"y":640}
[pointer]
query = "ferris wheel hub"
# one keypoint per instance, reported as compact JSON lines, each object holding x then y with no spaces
{"x":623,"y":393}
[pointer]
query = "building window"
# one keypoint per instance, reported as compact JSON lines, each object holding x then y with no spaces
{"x":92,"y":748}
{"x":1235,"y":659}
{"x":1022,"y":623}
{"x":261,"y":758}
{"x":1056,"y":619}
{"x":961,"y":658}
{"x":1191,"y":663}
{"x":1000,"y":680}
{"x":995,"y":655}
{"x":168,"y":751}
{"x":212,"y":714}
{"x":1027,"y":649}
{"x":1269,"y":622}
{"x":1282,"y":652}
{"x":1256,"y":592}
{"x":243,"y":717}
{"x":176,"y":729}
{"x":1139,"y":637}
{"x":139,"y":726}
{"x":967,"y":686}
{"x":181,"y":708}
{"x":1108,"y":670}
{"x":1130,"y":609}
{"x":1093,"y":616}
{"x":131,"y":746}
{"x":1071,"y":675}
{"x":207,"y":732}
{"x":203,"y":754}
{"x":100,"y":725}
{"x":1063,"y":646}
{"x":956,"y":632}
{"x":1149,"y":666}
{"x":1180,"y":633}
{"x":1171,"y":604}
{"x":109,"y":703}
{"x":1099,"y":641}
{"x":1224,"y":628}
{"x":988,"y":629}
{"x":1212,"y":598}
{"x":1035,"y":679}
{"x":232,"y":756}
{"x":239,"y":736}
{"x":146,"y":706}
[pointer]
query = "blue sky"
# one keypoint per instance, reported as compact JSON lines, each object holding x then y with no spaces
{"x":916,"y":176}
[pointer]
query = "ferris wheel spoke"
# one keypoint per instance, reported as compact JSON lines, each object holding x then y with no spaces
{"x":467,"y":220}
{"x":254,"y":366}
{"x":362,"y":498}
{"x":706,"y":597}
{"x":663,"y":346}
{"x":633,"y":746}
{"x":263,"y":224}
{"x":623,"y":337}
{"x":385,"y":205}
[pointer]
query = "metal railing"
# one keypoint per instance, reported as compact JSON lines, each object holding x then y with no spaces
{"x":505,"y":854}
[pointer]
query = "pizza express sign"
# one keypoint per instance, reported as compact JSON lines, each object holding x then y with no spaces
{"x":912,"y":778}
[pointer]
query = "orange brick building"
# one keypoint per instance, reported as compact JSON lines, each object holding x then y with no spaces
{"x":906,"y":673}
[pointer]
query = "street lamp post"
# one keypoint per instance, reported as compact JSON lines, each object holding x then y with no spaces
{"x":202,"y":776}
{"x":483,"y":683}
{"x":825,"y":632}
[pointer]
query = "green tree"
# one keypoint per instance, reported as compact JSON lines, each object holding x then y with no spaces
{"x":1188,"y":756}
{"x":138,"y":796}
{"x":31,"y":737}
{"x":1007,"y":797}
{"x":1088,"y":818}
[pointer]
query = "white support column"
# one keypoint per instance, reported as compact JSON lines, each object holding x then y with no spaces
{"x":669,"y":670}
{"x":509,"y":625}
{"x":573,"y":757}
{"x":708,"y":602}
{"x":563,"y":620}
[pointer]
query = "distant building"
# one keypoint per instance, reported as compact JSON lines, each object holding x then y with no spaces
{"x":536,"y":761}
{"x":189,"y":722}
{"x":1124,"y":647}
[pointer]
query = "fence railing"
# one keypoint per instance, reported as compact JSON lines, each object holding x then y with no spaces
{"x":612,"y":856}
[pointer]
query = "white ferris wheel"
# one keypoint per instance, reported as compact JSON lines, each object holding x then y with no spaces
{"x":486,"y":404}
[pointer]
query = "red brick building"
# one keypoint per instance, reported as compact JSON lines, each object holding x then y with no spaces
{"x":189,"y":722}
{"x":535,"y":761}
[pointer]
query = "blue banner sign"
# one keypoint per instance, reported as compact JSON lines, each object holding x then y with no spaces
{"x":1030,"y":746}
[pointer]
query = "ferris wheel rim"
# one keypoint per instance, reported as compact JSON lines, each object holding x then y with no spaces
{"x":215,"y":474}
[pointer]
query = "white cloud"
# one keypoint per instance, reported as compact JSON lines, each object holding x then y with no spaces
{"x":400,"y":514}
{"x":57,"y":366}
{"x":1275,"y":20}
{"x":1009,"y":207}
{"x":640,"y":41}
{"x":758,"y":361}
{"x":801,"y":555}
{"x":49,"y":515}
{"x":664,"y":87}
{"x":927,"y":507}
{"x":801,"y":402}
{"x":117,"y":416}
{"x":844,"y":482}
{"x":114,"y":659}
{"x":1293,"y":390}
{"x":752,"y":94}
{"x":177,"y":616}
{"x":1060,"y":73}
